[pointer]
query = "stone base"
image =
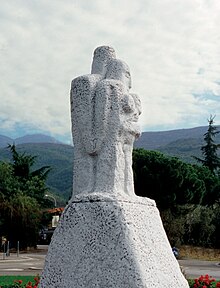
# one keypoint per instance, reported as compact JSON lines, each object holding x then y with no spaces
{"x":108,"y":241}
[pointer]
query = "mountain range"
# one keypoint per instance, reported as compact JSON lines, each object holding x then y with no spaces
{"x":35,"y":138}
{"x":181,"y":143}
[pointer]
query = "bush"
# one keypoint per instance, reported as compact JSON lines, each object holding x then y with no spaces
{"x":19,"y":283}
{"x":204,"y":281}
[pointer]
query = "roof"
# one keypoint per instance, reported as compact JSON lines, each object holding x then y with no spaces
{"x":56,"y":210}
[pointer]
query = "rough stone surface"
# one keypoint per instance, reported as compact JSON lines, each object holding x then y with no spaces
{"x":108,"y":241}
{"x":107,"y":236}
{"x":104,"y":126}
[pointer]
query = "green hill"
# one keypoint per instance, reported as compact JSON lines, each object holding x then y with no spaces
{"x":184,"y":149}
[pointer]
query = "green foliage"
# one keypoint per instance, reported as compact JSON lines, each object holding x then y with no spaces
{"x":60,"y":159}
{"x":8,"y":280}
{"x":199,"y":227}
{"x":188,"y":197}
{"x":209,"y":150}
{"x":216,"y":223}
{"x":21,"y":219}
{"x":211,"y":183}
{"x":8,"y":184}
{"x":22,"y":164}
{"x":174,"y":223}
{"x":195,"y":225}
{"x":19,"y":281}
{"x":167,"y":180}
{"x":22,"y":191}
{"x":19,"y":176}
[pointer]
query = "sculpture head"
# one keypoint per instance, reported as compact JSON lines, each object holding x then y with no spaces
{"x":119,"y":70}
{"x":102,"y":56}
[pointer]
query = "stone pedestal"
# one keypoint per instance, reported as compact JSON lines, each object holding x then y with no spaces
{"x":111,"y":241}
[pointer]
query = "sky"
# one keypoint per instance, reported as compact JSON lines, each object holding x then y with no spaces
{"x":171,"y":46}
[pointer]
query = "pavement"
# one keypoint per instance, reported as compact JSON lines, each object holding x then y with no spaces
{"x":25,"y":264}
{"x":32,"y":264}
{"x":195,"y":268}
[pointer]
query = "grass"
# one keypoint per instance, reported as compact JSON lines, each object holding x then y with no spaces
{"x":6,"y":280}
{"x":199,"y":253}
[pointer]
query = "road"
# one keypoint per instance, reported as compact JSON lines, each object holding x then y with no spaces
{"x":195,"y":268}
{"x":25,"y":264}
{"x":32,"y":264}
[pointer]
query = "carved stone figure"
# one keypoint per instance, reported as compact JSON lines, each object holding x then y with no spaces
{"x":103,"y":116}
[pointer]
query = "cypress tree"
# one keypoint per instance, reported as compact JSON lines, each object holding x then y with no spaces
{"x":209,"y":150}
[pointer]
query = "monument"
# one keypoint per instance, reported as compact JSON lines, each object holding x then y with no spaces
{"x":107,"y":236}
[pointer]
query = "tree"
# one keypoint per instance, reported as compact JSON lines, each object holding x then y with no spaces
{"x":187,"y":195}
{"x":8,"y":184}
{"x":209,"y":150}
{"x":212,"y":185}
{"x":23,"y":163}
{"x":20,"y":219}
{"x":167,"y":180}
{"x":22,"y":191}
{"x":32,"y":181}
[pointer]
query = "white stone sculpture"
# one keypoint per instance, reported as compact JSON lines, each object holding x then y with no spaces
{"x":82,"y":113}
{"x":107,"y":236}
{"x":104,"y":126}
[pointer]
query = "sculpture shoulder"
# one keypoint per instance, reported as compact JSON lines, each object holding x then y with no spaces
{"x":89,"y":79}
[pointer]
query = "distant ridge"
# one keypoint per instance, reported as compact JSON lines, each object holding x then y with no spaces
{"x":4,"y":141}
{"x":34,"y":138}
{"x":181,"y":143}
{"x":154,"y":140}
